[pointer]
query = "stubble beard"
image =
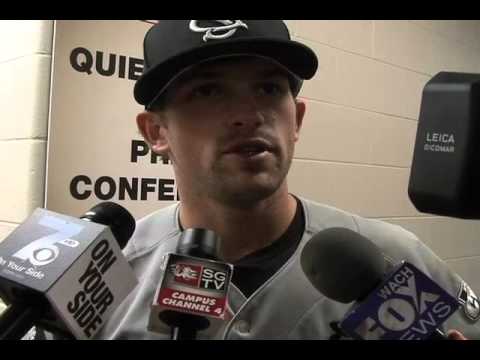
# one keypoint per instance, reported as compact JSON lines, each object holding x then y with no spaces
{"x":226,"y":188}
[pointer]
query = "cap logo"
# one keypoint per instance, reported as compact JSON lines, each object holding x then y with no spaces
{"x":469,"y":301}
{"x":218,"y":32}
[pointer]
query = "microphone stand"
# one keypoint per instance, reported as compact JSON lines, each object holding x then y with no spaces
{"x":183,"y":326}
{"x":17,"y":319}
{"x":438,"y":335}
{"x":183,"y":333}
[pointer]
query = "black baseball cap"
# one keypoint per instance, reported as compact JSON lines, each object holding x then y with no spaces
{"x":171,"y":47}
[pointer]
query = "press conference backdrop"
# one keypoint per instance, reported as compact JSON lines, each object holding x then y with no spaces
{"x":357,"y":139}
{"x":356,"y":144}
{"x":95,"y":152}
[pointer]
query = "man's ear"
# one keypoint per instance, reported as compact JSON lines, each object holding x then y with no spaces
{"x":153,"y":129}
{"x":300,"y":113}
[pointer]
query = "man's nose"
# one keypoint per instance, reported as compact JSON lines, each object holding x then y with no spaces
{"x":246,"y":113}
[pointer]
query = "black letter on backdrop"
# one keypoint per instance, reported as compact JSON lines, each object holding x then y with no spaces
{"x":134,"y":71}
{"x":111,"y":190}
{"x":139,"y":148}
{"x":111,"y":64}
{"x":85,"y":66}
{"x":74,"y":187}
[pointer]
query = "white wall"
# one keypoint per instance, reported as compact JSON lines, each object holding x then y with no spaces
{"x":363,"y":106}
{"x":25,"y":58}
{"x":358,"y":136}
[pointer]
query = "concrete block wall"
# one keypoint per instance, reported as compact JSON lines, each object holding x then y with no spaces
{"x":25,"y":63}
{"x":357,"y":143}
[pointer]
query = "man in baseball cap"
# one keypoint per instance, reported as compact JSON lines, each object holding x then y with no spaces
{"x":221,"y":102}
{"x":173,"y":46}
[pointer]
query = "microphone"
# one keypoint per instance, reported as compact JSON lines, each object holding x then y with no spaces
{"x":391,"y":302}
{"x":444,"y":172}
{"x":192,"y":293}
{"x":64,"y":274}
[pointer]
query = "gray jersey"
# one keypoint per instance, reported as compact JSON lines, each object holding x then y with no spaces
{"x":286,"y":306}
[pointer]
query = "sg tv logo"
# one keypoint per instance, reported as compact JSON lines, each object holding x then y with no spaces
{"x":44,"y":251}
{"x":199,"y":276}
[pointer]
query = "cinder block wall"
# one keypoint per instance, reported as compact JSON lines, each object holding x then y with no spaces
{"x":357,"y":142}
{"x":25,"y":63}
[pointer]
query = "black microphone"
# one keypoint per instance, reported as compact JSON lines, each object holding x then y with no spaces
{"x":63,"y":274}
{"x":192,"y":293}
{"x":445,"y":172}
{"x":347,"y":267}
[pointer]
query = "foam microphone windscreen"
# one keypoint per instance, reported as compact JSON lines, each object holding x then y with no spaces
{"x":346,"y":267}
{"x":116,"y":217}
{"x":342,"y":264}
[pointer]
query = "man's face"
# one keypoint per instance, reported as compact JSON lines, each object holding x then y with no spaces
{"x":229,"y":128}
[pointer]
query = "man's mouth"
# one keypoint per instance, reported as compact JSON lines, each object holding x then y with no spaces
{"x":250,"y":148}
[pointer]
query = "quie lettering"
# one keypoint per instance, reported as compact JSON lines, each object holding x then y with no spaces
{"x":84,"y":61}
{"x":90,"y":303}
{"x":105,"y":188}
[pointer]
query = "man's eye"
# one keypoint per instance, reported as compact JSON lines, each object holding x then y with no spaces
{"x":206,"y":90}
{"x":271,"y":88}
